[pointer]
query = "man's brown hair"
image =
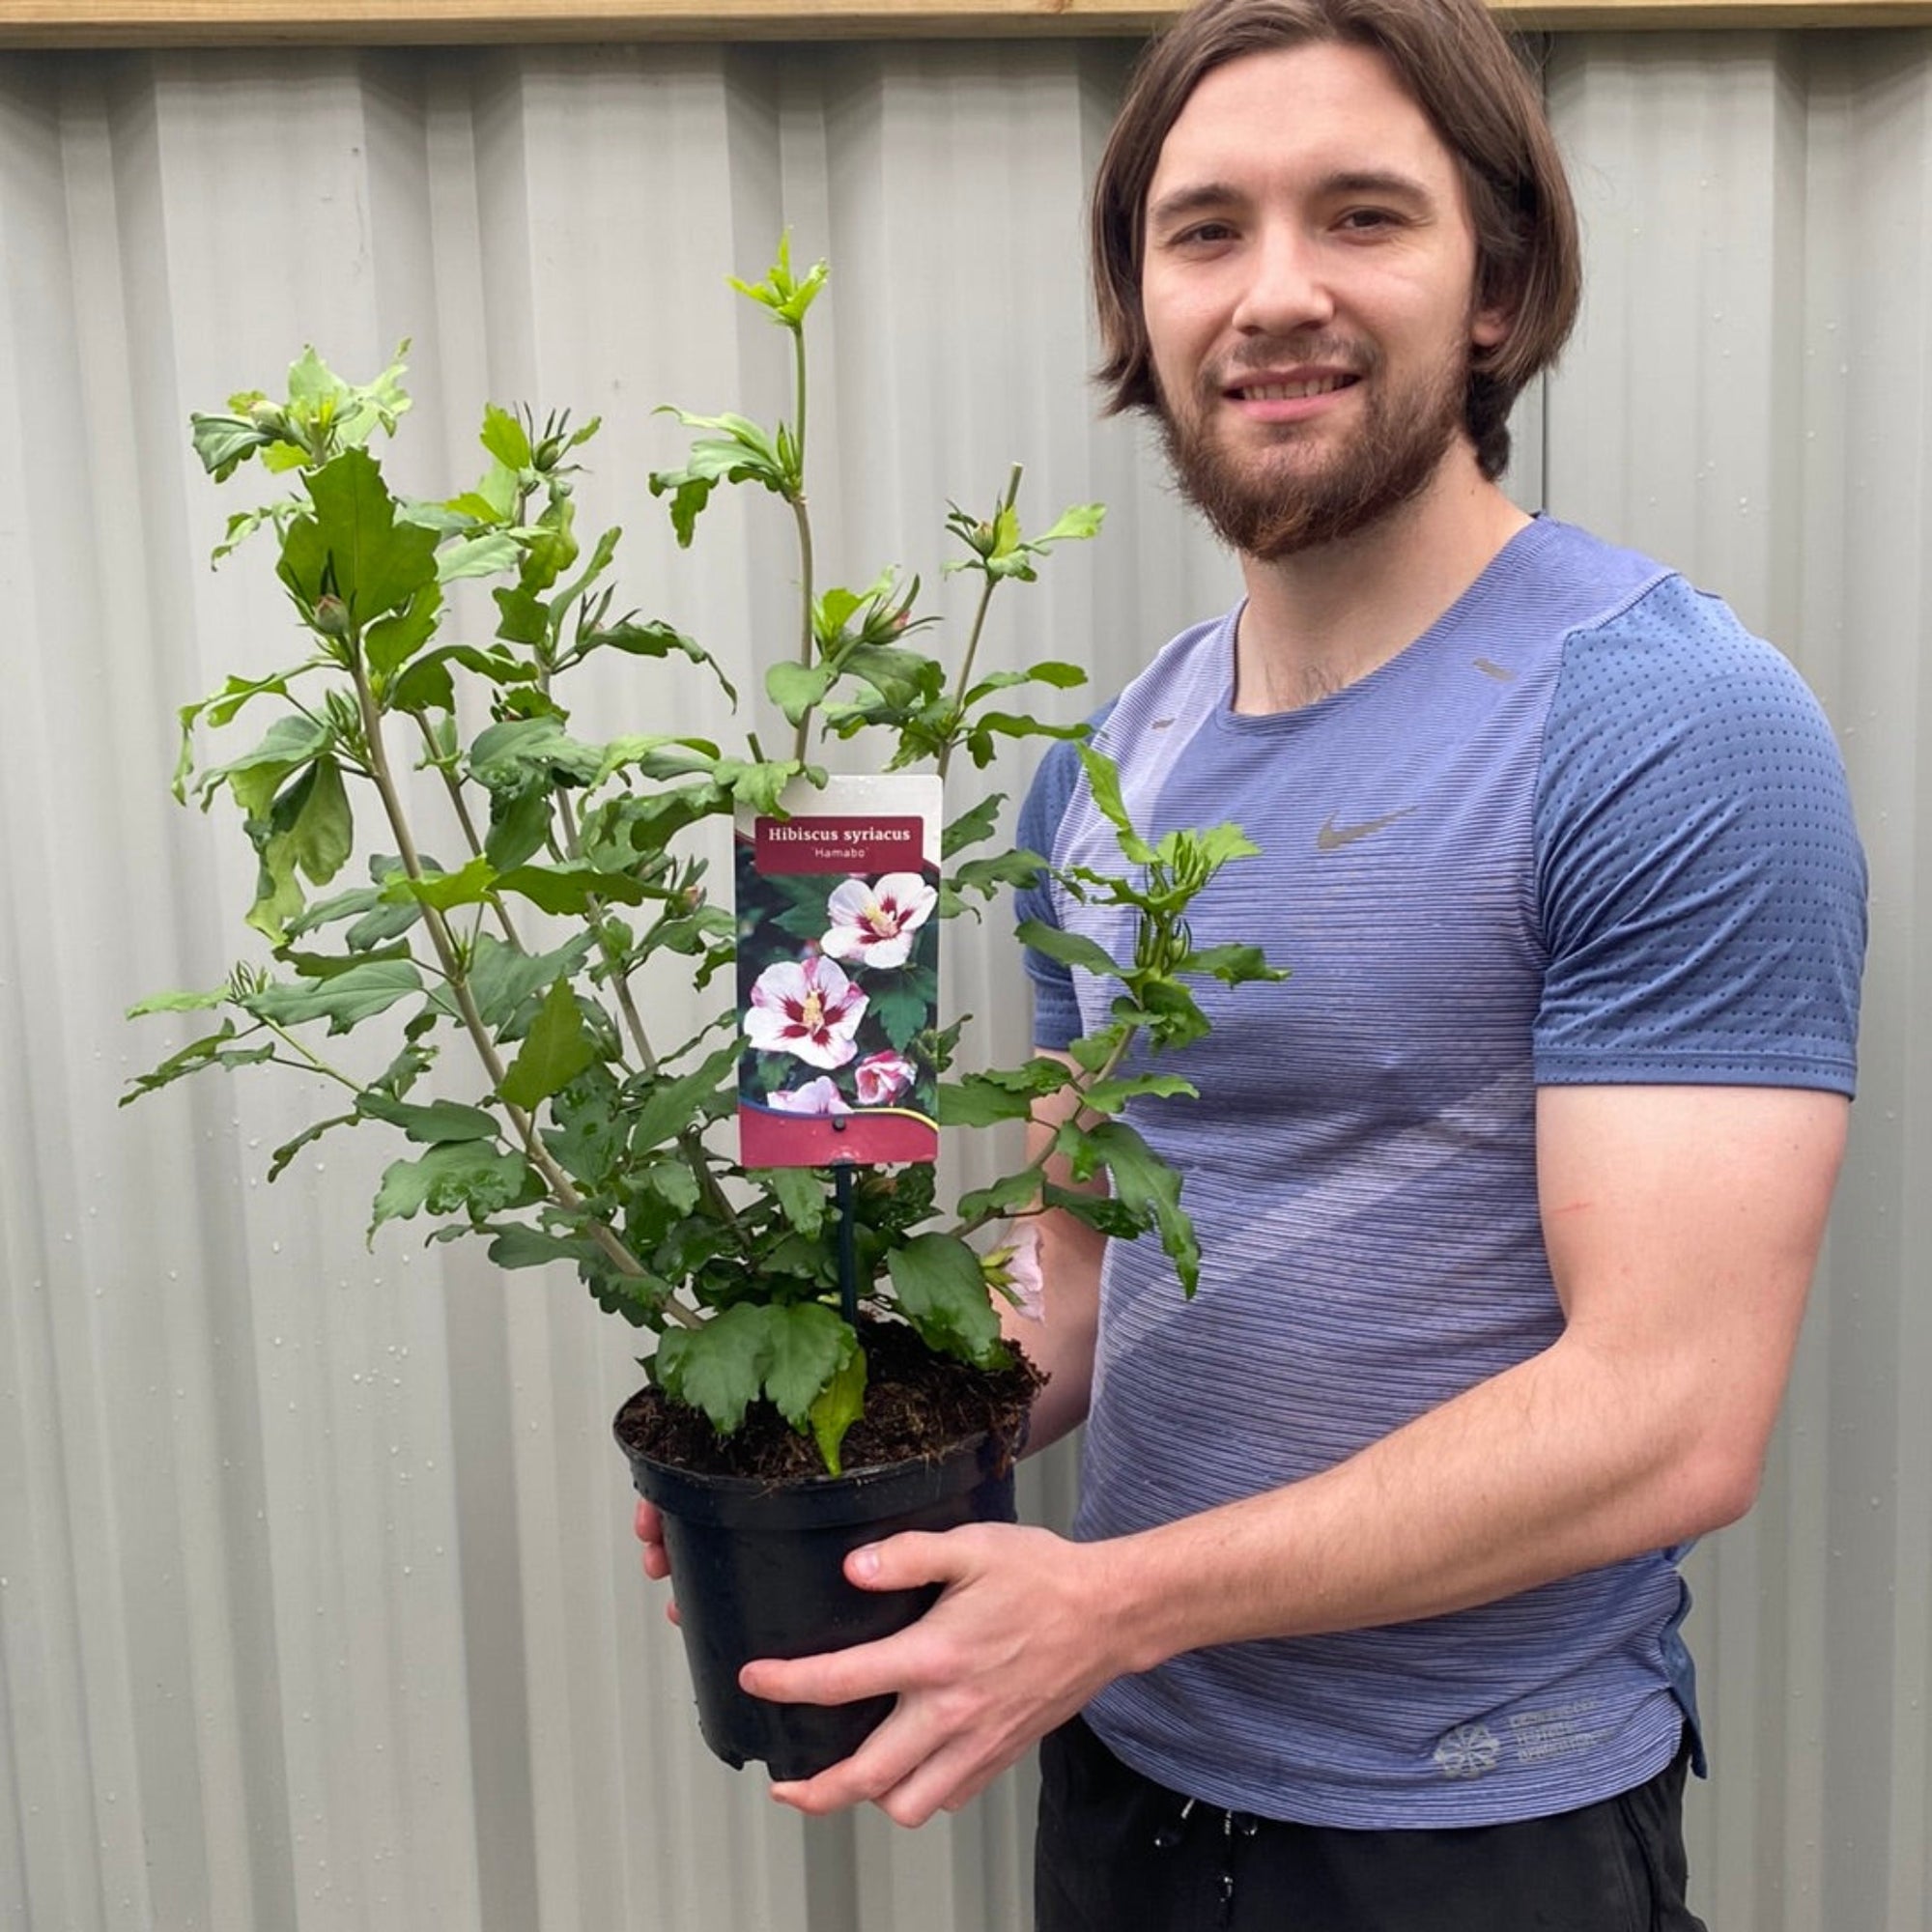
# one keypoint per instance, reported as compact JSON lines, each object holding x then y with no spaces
{"x":1465,"y":75}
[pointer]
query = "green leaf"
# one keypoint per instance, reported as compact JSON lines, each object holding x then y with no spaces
{"x":1109,"y":1097}
{"x":440,"y":1121}
{"x":257,"y":775}
{"x":532,"y":754}
{"x":903,"y":1004}
{"x":1070,"y":948}
{"x":799,"y":1193}
{"x":1143,"y":1184}
{"x":501,"y":978}
{"x":1235,"y":964}
{"x":190,"y":1058}
{"x":900,"y":677}
{"x":444,"y":890}
{"x":719,"y":1368}
{"x":983,"y":1100}
{"x":222,"y":443}
{"x":520,"y":1248}
{"x":177,"y":1002}
{"x":570,"y":889}
{"x":332,"y":965}
{"x":807,"y":1345}
{"x":375,"y":564}
{"x":323,"y":832}
{"x":657,"y":758}
{"x":279,"y":1161}
{"x":757,"y":786}
{"x":556,"y":1049}
{"x":391,"y":643}
{"x":838,"y":1406}
{"x":1103,"y":781}
{"x":974,"y":825}
{"x":650,"y":641}
{"x":478,"y":556}
{"x":943,"y":1292}
{"x":796,"y":688}
{"x":1007,"y":1195}
{"x":1062,"y":676}
{"x":519,"y":825}
{"x":505,"y":438}
{"x":986,"y":877}
{"x":671,"y":1105}
{"x":1082,"y":521}
{"x":461,"y":1177}
{"x":345,"y":1001}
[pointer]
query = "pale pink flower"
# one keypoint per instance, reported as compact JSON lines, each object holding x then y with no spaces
{"x":882,"y":1078}
{"x":875,"y":923}
{"x":815,"y":1097}
{"x":1014,"y":1272}
{"x":809,"y":1008}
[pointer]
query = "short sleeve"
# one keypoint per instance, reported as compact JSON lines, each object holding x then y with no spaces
{"x":1701,"y":890}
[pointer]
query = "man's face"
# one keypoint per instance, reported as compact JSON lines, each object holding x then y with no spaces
{"x":1307,"y":283}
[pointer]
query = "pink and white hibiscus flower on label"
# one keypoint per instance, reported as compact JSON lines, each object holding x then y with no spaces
{"x":874,"y":921}
{"x":882,"y":1078}
{"x":808,"y":1008}
{"x":815,"y":1097}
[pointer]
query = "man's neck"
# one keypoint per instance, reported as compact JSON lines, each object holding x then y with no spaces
{"x":1326,"y":617}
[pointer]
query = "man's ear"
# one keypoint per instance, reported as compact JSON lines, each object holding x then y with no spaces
{"x":1489,"y":327}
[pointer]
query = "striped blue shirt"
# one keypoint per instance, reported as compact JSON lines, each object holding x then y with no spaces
{"x":1586,"y":829}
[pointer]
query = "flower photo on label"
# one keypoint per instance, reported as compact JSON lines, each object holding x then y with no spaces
{"x":808,"y":1008}
{"x":882,"y":1077}
{"x":873,"y":920}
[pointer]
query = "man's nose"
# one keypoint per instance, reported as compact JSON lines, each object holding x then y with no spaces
{"x":1287,"y":287}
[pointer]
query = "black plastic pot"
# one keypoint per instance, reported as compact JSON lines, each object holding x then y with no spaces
{"x":759,"y":1570}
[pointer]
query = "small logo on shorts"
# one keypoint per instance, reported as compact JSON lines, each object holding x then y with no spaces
{"x":1469,"y":1752}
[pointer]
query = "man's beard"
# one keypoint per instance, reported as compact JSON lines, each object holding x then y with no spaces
{"x":1270,"y":508}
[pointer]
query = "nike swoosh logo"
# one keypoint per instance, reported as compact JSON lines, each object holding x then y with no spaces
{"x":1332,"y":836}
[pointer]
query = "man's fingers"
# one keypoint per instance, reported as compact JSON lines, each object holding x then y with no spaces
{"x":833,"y":1677}
{"x":916,"y":1557}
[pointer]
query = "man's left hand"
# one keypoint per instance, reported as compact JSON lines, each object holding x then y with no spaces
{"x":1016,"y":1644}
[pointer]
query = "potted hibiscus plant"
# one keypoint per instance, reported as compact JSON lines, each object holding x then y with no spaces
{"x":828,"y":1342}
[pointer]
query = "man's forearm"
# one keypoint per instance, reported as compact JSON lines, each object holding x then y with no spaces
{"x":1554,"y":1467}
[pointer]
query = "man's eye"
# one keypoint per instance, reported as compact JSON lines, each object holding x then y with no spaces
{"x":1363,"y":221}
{"x":1203,"y":232}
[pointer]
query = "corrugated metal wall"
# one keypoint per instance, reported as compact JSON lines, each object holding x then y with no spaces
{"x":318,"y":1603}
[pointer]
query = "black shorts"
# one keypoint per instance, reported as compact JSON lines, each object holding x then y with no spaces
{"x":1118,"y":1853}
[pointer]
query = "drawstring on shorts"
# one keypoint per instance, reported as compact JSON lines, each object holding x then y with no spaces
{"x":1234,"y":1825}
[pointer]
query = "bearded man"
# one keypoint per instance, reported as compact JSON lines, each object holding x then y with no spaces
{"x":1511,"y":1194}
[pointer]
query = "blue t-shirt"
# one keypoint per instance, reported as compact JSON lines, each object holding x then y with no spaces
{"x":1586,"y":829}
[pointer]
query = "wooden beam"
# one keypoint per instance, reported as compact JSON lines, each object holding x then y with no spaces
{"x":179,"y":23}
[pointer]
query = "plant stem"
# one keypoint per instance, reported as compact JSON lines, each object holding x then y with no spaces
{"x":563,"y":1189}
{"x":690,"y":1143}
{"x":1081,"y":1085}
{"x":316,"y":1064}
{"x":804,"y":521}
{"x":469,"y":825}
{"x":959,"y":689}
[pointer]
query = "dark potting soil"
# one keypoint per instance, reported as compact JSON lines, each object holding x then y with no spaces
{"x":917,"y":1403}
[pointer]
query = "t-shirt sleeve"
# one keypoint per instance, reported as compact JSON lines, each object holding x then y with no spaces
{"x":1055,"y":1007}
{"x":1700,"y":884}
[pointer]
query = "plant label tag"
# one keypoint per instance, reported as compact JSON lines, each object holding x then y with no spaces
{"x":838,"y":973}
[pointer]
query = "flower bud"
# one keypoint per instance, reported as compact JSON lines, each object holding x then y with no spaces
{"x":331,"y":615}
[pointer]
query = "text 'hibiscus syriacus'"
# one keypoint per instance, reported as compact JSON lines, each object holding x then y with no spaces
{"x":873,"y":920}
{"x":810,"y":1008}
